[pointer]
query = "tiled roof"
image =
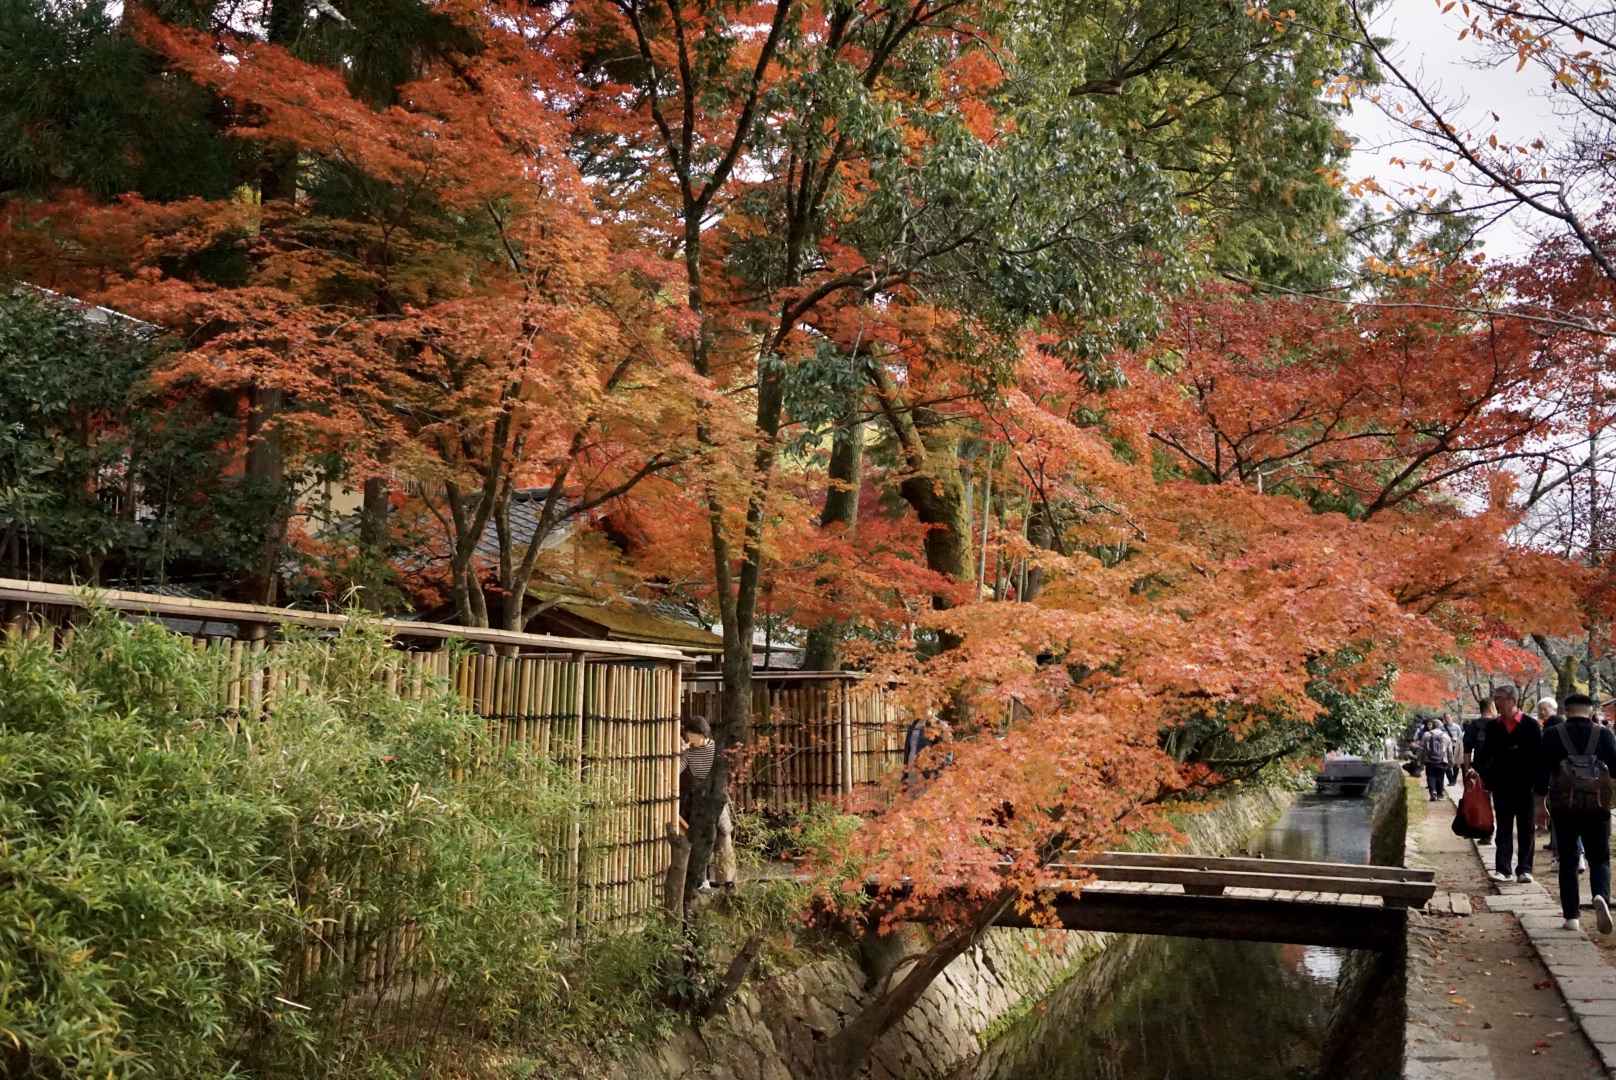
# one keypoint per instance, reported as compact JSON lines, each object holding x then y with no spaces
{"x":526,"y":506}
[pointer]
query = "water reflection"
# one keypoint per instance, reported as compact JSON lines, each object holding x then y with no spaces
{"x":1182,"y":1009}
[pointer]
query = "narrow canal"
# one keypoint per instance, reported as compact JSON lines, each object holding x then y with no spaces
{"x":1160,"y":1008}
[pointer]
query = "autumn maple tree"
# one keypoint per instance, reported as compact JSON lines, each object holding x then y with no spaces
{"x":439,"y":307}
{"x":889,"y":322}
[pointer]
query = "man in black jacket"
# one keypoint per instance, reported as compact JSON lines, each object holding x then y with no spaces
{"x":1475,"y":731}
{"x":1577,"y":739}
{"x":1507,"y":760}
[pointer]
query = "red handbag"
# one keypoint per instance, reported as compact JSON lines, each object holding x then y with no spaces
{"x":1474,"y":818}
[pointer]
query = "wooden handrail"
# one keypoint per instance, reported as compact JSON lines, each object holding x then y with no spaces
{"x":1365,"y":871}
{"x":45,"y":594}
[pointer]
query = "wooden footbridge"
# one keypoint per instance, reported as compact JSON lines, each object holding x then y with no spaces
{"x":1303,"y":903}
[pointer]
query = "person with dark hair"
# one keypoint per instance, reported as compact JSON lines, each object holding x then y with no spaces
{"x":1575,"y":766}
{"x":1434,"y":747}
{"x":1548,"y":716}
{"x":695,"y":766}
{"x":1507,"y":760}
{"x":925,"y":732}
{"x":1475,"y":731}
{"x":1450,"y":724}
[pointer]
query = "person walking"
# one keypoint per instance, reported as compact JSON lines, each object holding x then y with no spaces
{"x":695,"y":765}
{"x":1548,"y":712}
{"x":925,"y":732}
{"x":1575,"y":765}
{"x":1455,"y":746}
{"x":1434,"y":748}
{"x":1475,"y":731}
{"x":1548,"y":717}
{"x":1507,"y":761}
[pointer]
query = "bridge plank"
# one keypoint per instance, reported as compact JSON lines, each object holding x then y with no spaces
{"x":1403,"y":891}
{"x":1256,"y":866}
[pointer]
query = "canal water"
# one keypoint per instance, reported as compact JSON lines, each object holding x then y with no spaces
{"x":1159,"y":1008}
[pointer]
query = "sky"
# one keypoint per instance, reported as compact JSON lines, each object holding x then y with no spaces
{"x":1427,"y":47}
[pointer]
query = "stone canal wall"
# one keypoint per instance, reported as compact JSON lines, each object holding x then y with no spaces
{"x":1372,"y":985}
{"x":774,"y":1023}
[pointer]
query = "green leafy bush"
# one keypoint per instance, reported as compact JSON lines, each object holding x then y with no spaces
{"x":331,"y":889}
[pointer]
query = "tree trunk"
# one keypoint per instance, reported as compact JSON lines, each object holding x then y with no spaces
{"x":841,"y":508}
{"x":933,"y":488}
{"x":1041,"y":535}
{"x":373,"y":517}
{"x":846,"y":1052}
{"x":1565,"y":667}
{"x":266,"y":468}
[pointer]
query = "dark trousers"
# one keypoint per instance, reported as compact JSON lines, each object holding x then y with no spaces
{"x":1436,"y":778}
{"x":1593,"y":829}
{"x":1512,"y":808}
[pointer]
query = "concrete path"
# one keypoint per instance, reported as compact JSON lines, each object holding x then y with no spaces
{"x":1483,"y":1003}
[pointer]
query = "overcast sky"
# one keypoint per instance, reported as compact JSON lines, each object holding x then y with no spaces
{"x":1427,"y":46}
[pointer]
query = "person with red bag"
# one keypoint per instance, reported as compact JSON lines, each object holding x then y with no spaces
{"x":1507,"y":760}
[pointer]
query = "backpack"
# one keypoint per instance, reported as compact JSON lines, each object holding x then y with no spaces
{"x":1582,"y":782}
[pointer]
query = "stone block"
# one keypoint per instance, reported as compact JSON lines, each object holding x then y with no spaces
{"x":1599,"y":1029}
{"x":1581,"y":1007}
{"x":1586,"y":989}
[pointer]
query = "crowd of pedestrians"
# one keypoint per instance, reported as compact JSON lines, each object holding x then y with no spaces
{"x":1550,"y":771}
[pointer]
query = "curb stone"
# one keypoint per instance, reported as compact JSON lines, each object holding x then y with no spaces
{"x":1578,"y":967}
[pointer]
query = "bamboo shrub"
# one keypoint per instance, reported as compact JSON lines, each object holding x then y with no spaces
{"x":382,"y":863}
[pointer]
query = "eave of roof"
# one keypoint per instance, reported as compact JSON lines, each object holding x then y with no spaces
{"x":622,"y":623}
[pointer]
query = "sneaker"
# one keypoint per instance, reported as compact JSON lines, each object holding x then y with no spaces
{"x":1572,"y":924}
{"x":1498,"y":875}
{"x":1602,"y":915}
{"x":1524,"y":878}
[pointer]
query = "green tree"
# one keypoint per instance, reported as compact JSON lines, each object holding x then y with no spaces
{"x":104,"y":476}
{"x":1226,"y":100}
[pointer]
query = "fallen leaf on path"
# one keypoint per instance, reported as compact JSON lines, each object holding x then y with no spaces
{"x":1544,"y":985}
{"x":1487,"y":1026}
{"x":1540,"y":1043}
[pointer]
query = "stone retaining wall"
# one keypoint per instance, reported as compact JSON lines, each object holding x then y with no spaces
{"x":1369,"y":998}
{"x":775,"y":1023}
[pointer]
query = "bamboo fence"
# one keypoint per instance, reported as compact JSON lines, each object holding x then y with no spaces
{"x":610,"y":722}
{"x":815,"y":737}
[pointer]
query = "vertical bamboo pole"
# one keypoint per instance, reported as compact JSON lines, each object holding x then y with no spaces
{"x":578,"y":702}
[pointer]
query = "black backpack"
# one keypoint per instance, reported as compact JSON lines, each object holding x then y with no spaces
{"x":1581,"y":782}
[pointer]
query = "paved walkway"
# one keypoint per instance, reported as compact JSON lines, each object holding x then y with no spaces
{"x":1484,"y":995}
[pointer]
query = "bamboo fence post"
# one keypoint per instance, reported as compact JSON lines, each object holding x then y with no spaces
{"x":578,"y":702}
